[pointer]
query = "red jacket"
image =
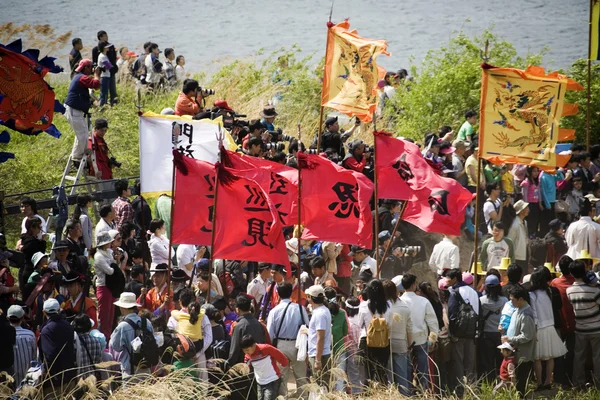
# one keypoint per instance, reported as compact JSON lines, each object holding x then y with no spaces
{"x":353,"y":164}
{"x":264,"y":360}
{"x":101,"y":151}
{"x":562,"y":283}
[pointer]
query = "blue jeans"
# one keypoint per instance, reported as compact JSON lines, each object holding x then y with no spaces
{"x":270,"y":391}
{"x":104,"y":89}
{"x":401,"y":374}
{"x":419,"y":352}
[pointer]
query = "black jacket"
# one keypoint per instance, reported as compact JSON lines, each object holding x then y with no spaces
{"x":8,"y":338}
{"x":558,"y":243}
{"x":246,"y":325}
{"x":56,"y":347}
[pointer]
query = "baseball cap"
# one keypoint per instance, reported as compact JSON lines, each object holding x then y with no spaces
{"x":492,"y":280}
{"x":506,"y":346}
{"x":86,"y":62}
{"x":356,"y":249}
{"x":315,"y":291}
{"x":15,"y":311}
{"x":398,"y":282}
{"x":443,"y":284}
{"x":51,"y":306}
{"x":467,"y":278}
{"x":383,"y":236}
{"x":330,"y":121}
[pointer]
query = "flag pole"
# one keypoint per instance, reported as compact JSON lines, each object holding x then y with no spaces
{"x":589,"y":80}
{"x":298,"y":269}
{"x":322,"y":112}
{"x":376,"y":202}
{"x":385,"y":253}
{"x":211,"y":264}
{"x":172,"y":213}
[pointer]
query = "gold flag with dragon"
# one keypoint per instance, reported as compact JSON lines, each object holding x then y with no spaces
{"x":520,"y":115}
{"x":351,"y":73}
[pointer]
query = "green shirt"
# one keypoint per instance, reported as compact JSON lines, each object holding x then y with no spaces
{"x":465,"y":131}
{"x":492,"y":174}
{"x":339,"y":330}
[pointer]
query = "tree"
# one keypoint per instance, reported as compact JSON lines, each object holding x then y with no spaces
{"x":448,"y":83}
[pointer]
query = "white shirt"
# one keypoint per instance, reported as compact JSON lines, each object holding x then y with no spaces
{"x":102,"y":59}
{"x":518,"y":234}
{"x":422,"y":316}
{"x":102,"y":261}
{"x":257,"y":288}
{"x":542,"y":308}
{"x":445,"y":255}
{"x":179,"y":73}
{"x":291,"y":321}
{"x":320,"y":321}
{"x":370,"y":263}
{"x":488,"y":208}
{"x":159,"y":250}
{"x":151,"y":75}
{"x":583,"y":235}
{"x":24,"y":230}
{"x":185,"y":255}
{"x":103,"y":226}
{"x":365,"y":317}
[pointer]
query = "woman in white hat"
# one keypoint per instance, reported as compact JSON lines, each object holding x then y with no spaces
{"x":103,"y":258}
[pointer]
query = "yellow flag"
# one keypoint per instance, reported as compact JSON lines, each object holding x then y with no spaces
{"x":594,"y":49}
{"x":351,"y":73}
{"x":520,"y":115}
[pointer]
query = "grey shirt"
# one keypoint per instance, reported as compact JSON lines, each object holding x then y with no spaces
{"x":493,"y":320}
{"x":525,"y":334}
{"x":458,"y":165}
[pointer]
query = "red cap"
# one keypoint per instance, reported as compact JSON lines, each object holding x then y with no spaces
{"x":223,"y":104}
{"x":131,"y":54}
{"x":86,"y":62}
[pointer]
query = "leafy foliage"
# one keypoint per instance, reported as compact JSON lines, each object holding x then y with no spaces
{"x":448,"y":83}
{"x":578,"y":72}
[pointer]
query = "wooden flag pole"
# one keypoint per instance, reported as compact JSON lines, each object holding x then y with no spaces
{"x":376,"y":202}
{"x":386,"y":252}
{"x":589,"y":80}
{"x":171,"y":228}
{"x":211,"y":264}
{"x":322,"y":112}
{"x":298,"y":269}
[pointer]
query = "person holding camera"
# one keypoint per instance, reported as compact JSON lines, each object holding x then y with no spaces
{"x":255,"y":147}
{"x":357,"y":156}
{"x":77,"y":105}
{"x":334,"y":139}
{"x":189,"y":99}
{"x":101,"y":165}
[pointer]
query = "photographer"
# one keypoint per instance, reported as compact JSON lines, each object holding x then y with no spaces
{"x":255,"y":147}
{"x":189,"y":101}
{"x":101,"y":165}
{"x":268,"y":115}
{"x":357,"y":157}
{"x":333,"y":138}
{"x":78,"y":104}
{"x":257,"y":130}
{"x":392,"y":265}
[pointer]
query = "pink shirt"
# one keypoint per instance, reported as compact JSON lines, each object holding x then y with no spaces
{"x":531,"y":194}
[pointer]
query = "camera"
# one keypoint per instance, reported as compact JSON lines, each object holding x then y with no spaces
{"x":275,"y":146}
{"x":408,"y":249}
{"x":312,"y":151}
{"x":206,"y":92}
{"x":113,"y":162}
{"x":369,"y":149}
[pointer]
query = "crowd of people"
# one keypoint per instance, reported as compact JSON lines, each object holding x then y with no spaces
{"x":525,"y":311}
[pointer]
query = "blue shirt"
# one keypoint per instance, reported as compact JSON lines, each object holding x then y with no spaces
{"x":121,"y":339}
{"x":291,"y":321}
{"x":548,"y":187}
{"x":269,"y":126}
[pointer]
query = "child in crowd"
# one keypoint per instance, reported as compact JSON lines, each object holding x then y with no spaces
{"x":532,"y":195}
{"x":105,"y":66}
{"x":354,"y":367}
{"x":575,"y":196}
{"x":507,"y":368}
{"x":264,"y":359}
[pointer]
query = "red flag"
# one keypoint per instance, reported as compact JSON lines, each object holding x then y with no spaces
{"x":439,"y":208}
{"x":279,"y":181}
{"x":247,"y":226}
{"x":401,"y":169}
{"x":335,"y":202}
{"x":193,"y":201}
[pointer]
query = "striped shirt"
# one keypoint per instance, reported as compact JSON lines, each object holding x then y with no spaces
{"x":586,"y":305}
{"x":25,"y":352}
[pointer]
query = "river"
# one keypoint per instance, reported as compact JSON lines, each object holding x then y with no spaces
{"x":210,"y":33}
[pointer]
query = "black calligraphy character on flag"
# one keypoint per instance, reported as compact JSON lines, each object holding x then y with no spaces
{"x":186,"y":151}
{"x":188,"y":130}
{"x":438,"y":201}
{"x":278,"y":184}
{"x":256,"y":199}
{"x":210,"y":219}
{"x":210,"y":180}
{"x":258,"y":230}
{"x":280,"y":214}
{"x":347,"y":204}
{"x":403,"y":169}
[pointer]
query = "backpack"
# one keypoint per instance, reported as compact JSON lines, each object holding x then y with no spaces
{"x":378,"y":334}
{"x":220,"y":349}
{"x":148,"y":354}
{"x":466,"y":322}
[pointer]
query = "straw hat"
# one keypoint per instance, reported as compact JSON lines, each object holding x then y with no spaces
{"x":479,"y":270}
{"x":520,"y":206}
{"x":504,"y":264}
{"x":585,"y":255}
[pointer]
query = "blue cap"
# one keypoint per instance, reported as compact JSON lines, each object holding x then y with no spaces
{"x":202,"y":263}
{"x":492,"y":280}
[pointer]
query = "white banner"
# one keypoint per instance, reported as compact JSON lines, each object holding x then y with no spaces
{"x":159,"y":134}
